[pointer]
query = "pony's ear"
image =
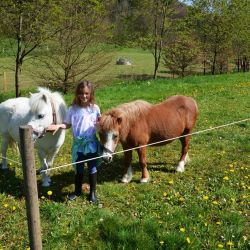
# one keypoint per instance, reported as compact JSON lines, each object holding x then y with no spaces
{"x":119,"y":120}
{"x":44,"y":97}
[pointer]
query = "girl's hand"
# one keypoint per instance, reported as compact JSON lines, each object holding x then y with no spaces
{"x":53,"y":128}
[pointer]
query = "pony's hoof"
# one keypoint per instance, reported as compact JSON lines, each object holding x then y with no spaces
{"x":144,"y":180}
{"x":125,"y":179}
{"x":180,"y":169}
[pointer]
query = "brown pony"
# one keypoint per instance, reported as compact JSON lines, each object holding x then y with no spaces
{"x":139,"y":123}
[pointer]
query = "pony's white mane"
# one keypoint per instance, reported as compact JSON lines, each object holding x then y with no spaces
{"x":45,"y":96}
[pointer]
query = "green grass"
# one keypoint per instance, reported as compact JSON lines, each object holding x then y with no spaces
{"x":204,"y":208}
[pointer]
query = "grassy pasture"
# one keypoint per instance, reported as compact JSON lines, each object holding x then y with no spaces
{"x":206,"y":207}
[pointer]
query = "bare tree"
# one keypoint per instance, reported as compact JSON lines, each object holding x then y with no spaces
{"x":76,"y":52}
{"x":27,"y":23}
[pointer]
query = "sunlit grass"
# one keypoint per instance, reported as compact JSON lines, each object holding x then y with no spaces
{"x":206,"y":207}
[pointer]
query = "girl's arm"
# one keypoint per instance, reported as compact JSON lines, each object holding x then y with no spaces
{"x":55,"y":127}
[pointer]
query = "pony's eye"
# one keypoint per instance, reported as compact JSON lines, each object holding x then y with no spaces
{"x":40,"y":116}
{"x":115,"y":136}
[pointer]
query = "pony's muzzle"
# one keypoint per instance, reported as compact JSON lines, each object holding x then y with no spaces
{"x":37,"y":135}
{"x":107,"y":157}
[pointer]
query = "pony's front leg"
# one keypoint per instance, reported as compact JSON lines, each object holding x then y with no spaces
{"x":142,"y":154}
{"x":128,"y":173}
{"x":5,"y":142}
{"x":184,"y":154}
{"x":46,"y":181}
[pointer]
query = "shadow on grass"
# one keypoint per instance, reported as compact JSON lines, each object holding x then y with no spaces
{"x":63,"y":182}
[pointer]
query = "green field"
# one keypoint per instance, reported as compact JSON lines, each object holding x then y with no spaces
{"x":206,"y":207}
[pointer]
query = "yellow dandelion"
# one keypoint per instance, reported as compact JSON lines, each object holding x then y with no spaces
{"x":188,"y":240}
{"x":205,"y":197}
{"x":5,"y":205}
{"x":218,"y":223}
{"x":171,"y":182}
{"x":182,"y":229}
{"x":220,"y":245}
{"x":226,"y":178}
{"x":49,"y":193}
{"x":231,"y":170}
{"x":181,"y":199}
{"x":42,"y":197}
{"x":244,"y":237}
{"x":230,"y":244}
{"x":215,"y":202}
{"x":244,"y":196}
{"x":205,"y":224}
{"x":161,"y":242}
{"x":165,"y":194}
{"x":13,"y":208}
{"x":199,"y":178}
{"x":231,"y":165}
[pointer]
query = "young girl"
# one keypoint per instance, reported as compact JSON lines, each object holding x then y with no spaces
{"x":82,"y":116}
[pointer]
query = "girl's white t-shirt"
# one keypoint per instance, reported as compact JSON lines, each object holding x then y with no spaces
{"x":83,"y":120}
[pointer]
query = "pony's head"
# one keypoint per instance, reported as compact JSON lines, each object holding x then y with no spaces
{"x":46,"y":108}
{"x":109,"y":128}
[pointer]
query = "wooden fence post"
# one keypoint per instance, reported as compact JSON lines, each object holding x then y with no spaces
{"x":30,"y":182}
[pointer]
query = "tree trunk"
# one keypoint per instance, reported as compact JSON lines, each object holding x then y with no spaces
{"x":18,"y":56}
{"x":214,"y":62}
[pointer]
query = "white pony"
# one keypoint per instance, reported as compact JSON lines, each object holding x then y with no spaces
{"x":40,"y":110}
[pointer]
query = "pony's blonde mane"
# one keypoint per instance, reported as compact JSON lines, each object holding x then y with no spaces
{"x":128,"y":112}
{"x":43,"y":95}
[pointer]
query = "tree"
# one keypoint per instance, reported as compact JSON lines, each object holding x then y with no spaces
{"x":76,"y":51}
{"x":147,"y":23}
{"x":213,"y":27}
{"x":181,"y":51}
{"x":29,"y":24}
{"x":239,"y":12}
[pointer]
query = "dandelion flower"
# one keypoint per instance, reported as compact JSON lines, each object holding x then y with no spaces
{"x":5,"y":205}
{"x":226,"y":178}
{"x":205,"y":197}
{"x":218,"y":223}
{"x":215,"y":202}
{"x":181,"y":199}
{"x":188,"y":240}
{"x":49,"y":193}
{"x":161,"y":242}
{"x":42,"y":197}
{"x":13,"y":208}
{"x":230,"y":243}
{"x":165,"y":194}
{"x":171,"y":182}
{"x":182,"y":229}
{"x":220,"y":245}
